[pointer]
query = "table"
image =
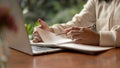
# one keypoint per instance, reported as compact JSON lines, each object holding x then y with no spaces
{"x":109,"y":59}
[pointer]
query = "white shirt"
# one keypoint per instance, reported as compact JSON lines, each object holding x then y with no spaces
{"x":106,"y":16}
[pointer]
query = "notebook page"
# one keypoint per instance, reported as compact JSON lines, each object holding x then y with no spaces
{"x":84,"y":47}
{"x":51,"y":38}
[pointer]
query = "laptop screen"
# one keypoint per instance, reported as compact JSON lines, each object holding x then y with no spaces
{"x":18,"y":40}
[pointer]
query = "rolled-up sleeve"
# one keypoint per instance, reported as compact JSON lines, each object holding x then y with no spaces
{"x":85,"y":18}
{"x":110,"y":38}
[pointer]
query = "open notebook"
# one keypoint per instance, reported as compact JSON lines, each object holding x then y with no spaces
{"x":52,"y":40}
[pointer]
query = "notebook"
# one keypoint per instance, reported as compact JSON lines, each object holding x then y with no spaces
{"x":52,"y":40}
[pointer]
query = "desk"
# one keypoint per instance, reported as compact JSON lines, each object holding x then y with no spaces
{"x":109,"y":59}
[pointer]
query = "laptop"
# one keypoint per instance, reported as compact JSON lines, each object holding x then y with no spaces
{"x":19,"y":40}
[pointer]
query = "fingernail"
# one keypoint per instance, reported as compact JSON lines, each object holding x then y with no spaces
{"x":39,"y":20}
{"x":35,"y":32}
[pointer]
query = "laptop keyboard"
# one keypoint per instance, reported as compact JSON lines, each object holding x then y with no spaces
{"x":38,"y":48}
{"x":41,"y":50}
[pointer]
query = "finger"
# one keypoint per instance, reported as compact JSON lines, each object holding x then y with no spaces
{"x":35,"y":30}
{"x":43,"y":24}
{"x":80,"y":34}
{"x":75,"y":34}
{"x":87,"y":29}
{"x":35,"y":40}
{"x":80,"y":41}
{"x":74,"y":28}
{"x":36,"y":37}
{"x":71,"y":28}
{"x":90,"y":27}
{"x":75,"y":31}
{"x":36,"y":34}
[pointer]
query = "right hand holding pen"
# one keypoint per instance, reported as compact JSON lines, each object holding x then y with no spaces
{"x":83,"y":35}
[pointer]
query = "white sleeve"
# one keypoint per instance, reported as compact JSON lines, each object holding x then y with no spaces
{"x":110,"y":38}
{"x":85,"y":18}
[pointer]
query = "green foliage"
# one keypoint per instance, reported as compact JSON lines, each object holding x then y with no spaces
{"x":65,"y":15}
{"x":30,"y":27}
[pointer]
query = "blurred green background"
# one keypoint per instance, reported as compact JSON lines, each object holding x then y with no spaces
{"x":51,"y":11}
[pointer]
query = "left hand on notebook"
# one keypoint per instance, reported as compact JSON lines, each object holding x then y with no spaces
{"x":43,"y":25}
{"x":83,"y":35}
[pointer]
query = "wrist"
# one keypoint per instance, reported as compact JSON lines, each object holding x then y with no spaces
{"x":97,"y":39}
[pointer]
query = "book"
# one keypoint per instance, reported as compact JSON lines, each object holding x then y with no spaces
{"x":52,"y":40}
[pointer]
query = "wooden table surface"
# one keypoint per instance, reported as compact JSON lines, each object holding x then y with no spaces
{"x":109,"y":59}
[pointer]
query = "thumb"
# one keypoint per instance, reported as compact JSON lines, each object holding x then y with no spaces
{"x":43,"y":24}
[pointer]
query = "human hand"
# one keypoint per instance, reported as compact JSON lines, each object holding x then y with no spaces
{"x":36,"y":37}
{"x":43,"y":25}
{"x":83,"y":35}
{"x":6,"y":20}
